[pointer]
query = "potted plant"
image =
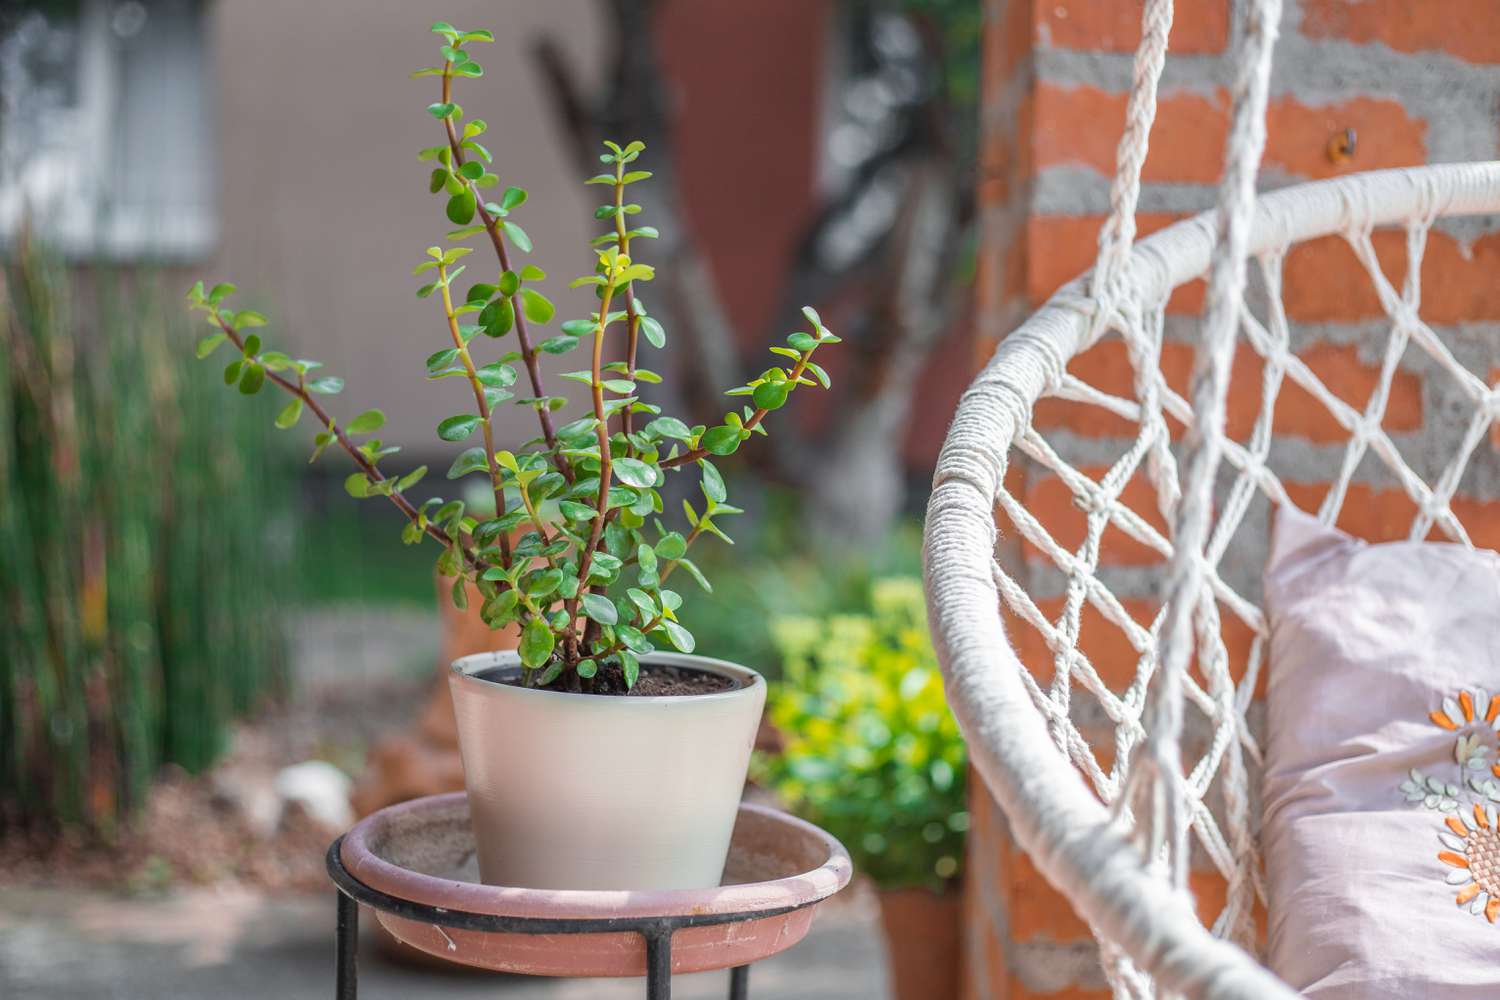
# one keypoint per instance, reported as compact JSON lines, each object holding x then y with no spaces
{"x":871,"y":753}
{"x":601,"y":753}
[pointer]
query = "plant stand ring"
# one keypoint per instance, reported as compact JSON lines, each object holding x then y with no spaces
{"x":779,"y":870}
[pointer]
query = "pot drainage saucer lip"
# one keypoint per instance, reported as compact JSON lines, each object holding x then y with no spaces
{"x":779,"y":869}
{"x":422,"y":851}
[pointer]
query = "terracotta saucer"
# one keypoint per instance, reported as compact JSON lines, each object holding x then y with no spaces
{"x":423,"y":852}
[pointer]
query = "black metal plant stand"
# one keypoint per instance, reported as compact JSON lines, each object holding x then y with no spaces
{"x":657,"y":931}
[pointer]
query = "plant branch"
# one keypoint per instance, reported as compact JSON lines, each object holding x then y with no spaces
{"x":496,"y":479}
{"x":366,"y":466}
{"x":523,"y":336}
{"x":755,"y":418}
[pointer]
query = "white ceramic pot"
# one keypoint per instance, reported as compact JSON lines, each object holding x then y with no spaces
{"x":577,"y":791}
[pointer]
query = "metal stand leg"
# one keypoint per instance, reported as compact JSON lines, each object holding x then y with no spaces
{"x":658,"y":962}
{"x":739,"y":983}
{"x":346,"y":985}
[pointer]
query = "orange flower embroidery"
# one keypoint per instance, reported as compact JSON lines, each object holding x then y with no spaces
{"x":1473,"y":852}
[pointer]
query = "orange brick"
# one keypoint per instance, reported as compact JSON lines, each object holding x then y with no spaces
{"x":1061,"y":247}
{"x":1299,"y":413}
{"x":1324,"y":281}
{"x":1297,"y":136}
{"x":1105,"y":645}
{"x":1049,"y":500}
{"x":1007,"y":44}
{"x":1038,"y":911}
{"x":1467,"y":29}
{"x":1082,"y":125}
{"x":1495,"y":428}
{"x":1115,"y":26}
{"x":1018,"y":991}
{"x":1211,"y":891}
{"x":1385,"y":514}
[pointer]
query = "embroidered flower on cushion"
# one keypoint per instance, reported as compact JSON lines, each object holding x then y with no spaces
{"x":1473,"y":852}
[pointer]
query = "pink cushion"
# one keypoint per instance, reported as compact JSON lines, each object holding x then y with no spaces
{"x":1381,"y":848}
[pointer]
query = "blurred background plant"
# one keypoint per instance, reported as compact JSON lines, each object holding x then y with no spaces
{"x":870,"y":751}
{"x":142,"y":525}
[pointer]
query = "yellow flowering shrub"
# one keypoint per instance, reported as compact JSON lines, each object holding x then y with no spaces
{"x":872,"y":753}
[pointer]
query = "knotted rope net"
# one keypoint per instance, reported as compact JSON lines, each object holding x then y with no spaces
{"x":1118,"y":837}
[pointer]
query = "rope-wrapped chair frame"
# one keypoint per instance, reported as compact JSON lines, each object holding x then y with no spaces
{"x":1070,"y":815}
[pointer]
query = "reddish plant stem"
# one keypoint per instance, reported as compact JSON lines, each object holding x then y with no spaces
{"x":366,"y":466}
{"x":750,"y":425}
{"x":497,"y":483}
{"x":523,"y":336}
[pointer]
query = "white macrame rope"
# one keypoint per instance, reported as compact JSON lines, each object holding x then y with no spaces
{"x":1210,"y":383}
{"x":1118,"y":231}
{"x":1152,"y":940}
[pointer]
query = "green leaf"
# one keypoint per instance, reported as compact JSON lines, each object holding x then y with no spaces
{"x":646,"y":557}
{"x":671,"y":546}
{"x":357,"y":485}
{"x":512,"y":199}
{"x":631,"y":666}
{"x":411,"y":479}
{"x":530,"y":272}
{"x":442,"y":359}
{"x":696,"y":574}
{"x":220,"y":292}
{"x":600,"y":608}
{"x":497,"y":318}
{"x":721,"y":440}
{"x":713,"y":482}
{"x":537,"y":641}
{"x":771,"y":395}
{"x":542,"y":582}
{"x":516,"y":235}
{"x":622,"y":386}
{"x":643,"y":601}
{"x":669,"y":427}
{"x":681,"y":637}
{"x":536,"y":306}
{"x":497,"y":375}
{"x":209,"y":344}
{"x":802,"y":341}
{"x":634,"y":472}
{"x":813,"y":317}
{"x":472,"y":460}
{"x":252,"y":377}
{"x":819,"y":374}
{"x":575,"y":511}
{"x":558,"y":345}
{"x":471,"y":171}
{"x":458,"y":427}
{"x":634,"y":639}
{"x":289,"y":416}
{"x":461,"y":208}
{"x":587,"y":668}
{"x":328,"y":385}
{"x":655,"y":335}
{"x":510,"y":283}
{"x":370,"y":420}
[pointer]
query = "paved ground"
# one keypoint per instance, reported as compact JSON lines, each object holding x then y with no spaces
{"x":224,"y":945}
{"x":232,"y":943}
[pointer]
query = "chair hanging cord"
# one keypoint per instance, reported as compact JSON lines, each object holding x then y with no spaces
{"x":1118,"y":232}
{"x":1205,"y":437}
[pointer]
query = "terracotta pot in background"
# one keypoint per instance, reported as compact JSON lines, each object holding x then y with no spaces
{"x":923,"y":935}
{"x":423,"y":759}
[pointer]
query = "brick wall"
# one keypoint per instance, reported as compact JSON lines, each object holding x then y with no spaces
{"x":1418,"y":83}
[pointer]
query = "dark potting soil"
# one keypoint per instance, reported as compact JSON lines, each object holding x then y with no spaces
{"x":655,"y":681}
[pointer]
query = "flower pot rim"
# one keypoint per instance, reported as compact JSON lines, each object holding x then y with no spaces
{"x":362,"y":856}
{"x":464,"y":669}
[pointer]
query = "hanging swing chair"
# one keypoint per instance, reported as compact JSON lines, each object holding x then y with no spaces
{"x":1117,"y":840}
